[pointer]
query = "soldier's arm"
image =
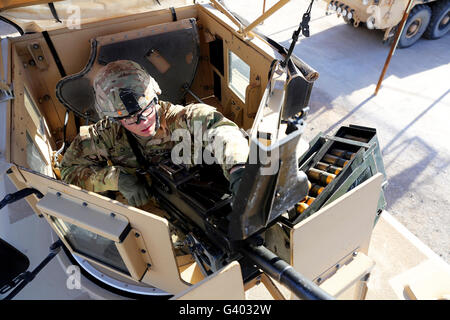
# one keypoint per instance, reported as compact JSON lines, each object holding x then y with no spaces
{"x":220,"y":136}
{"x":85,"y":162}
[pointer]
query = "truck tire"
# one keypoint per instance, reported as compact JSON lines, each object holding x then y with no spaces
{"x":415,"y":26}
{"x":440,"y":20}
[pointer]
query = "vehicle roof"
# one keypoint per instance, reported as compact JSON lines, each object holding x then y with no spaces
{"x":36,"y":15}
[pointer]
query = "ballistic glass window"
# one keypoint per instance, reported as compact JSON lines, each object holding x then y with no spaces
{"x":34,"y":113}
{"x":34,"y":158}
{"x":238,"y":75}
{"x":91,"y":245}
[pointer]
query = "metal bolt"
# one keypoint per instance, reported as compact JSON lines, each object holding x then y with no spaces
{"x":337,"y":266}
{"x":355,"y":254}
{"x":319,"y":280}
{"x":40,"y":58}
{"x":31,"y":63}
{"x":35,"y":46}
{"x":137,"y":235}
{"x":143,"y":251}
{"x":112,"y":214}
{"x":58,"y":194}
{"x":149,"y":265}
{"x":85,"y":204}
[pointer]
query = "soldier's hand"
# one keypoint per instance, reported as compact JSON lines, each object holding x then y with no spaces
{"x":235,"y":179}
{"x":133,"y":189}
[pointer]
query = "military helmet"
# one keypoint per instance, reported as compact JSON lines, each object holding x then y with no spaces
{"x":123,"y":88}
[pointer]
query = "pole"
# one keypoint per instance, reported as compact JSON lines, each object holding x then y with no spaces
{"x":394,"y":45}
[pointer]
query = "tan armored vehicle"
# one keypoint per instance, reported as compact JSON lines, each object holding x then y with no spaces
{"x":307,"y":222}
{"x":430,"y":19}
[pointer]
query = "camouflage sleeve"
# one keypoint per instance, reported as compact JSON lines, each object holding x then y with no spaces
{"x":220,"y":136}
{"x":85,"y":162}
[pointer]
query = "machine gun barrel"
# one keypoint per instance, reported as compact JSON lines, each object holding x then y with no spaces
{"x":194,"y":216}
{"x":284,"y":273}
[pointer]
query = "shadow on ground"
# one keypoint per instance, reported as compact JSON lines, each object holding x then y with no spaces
{"x":331,"y":48}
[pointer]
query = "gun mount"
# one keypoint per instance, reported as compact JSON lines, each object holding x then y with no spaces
{"x":221,"y":229}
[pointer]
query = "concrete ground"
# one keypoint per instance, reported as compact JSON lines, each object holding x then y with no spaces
{"x":410,"y":112}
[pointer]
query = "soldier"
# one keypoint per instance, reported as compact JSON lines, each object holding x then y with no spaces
{"x":102,"y":158}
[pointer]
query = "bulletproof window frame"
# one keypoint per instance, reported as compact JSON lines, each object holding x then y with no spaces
{"x":96,"y":220}
{"x":65,"y":228}
{"x":239,"y":92}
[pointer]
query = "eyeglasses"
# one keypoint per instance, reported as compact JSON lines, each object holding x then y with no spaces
{"x":148,"y":110}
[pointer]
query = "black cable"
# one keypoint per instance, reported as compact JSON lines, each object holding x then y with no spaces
{"x":302,"y":28}
{"x":18,"y":28}
{"x":54,"y":53}
{"x":54,"y":12}
{"x":63,"y":73}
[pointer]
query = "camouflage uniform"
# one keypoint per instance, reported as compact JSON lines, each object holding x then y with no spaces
{"x":101,"y":151}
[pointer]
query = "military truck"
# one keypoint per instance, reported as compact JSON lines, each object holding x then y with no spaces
{"x":300,"y":226}
{"x":430,"y":19}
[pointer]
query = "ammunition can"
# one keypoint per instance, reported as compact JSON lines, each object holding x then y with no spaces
{"x":342,"y":154}
{"x":328,"y":158}
{"x":328,"y":168}
{"x":351,"y":137}
{"x":320,"y":175}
